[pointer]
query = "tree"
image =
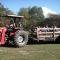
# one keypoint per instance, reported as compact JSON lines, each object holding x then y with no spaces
{"x":53,"y":19}
{"x":4,"y":10}
{"x":24,"y":12}
{"x":36,"y":15}
{"x":32,"y":16}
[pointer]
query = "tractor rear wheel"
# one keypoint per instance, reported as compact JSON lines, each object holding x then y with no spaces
{"x":21,"y":38}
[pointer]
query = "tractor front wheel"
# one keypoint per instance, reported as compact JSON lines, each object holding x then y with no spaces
{"x":21,"y":38}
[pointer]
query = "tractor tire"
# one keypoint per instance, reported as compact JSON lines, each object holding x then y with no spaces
{"x":21,"y":38}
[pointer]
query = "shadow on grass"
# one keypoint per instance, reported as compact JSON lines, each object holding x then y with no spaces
{"x":31,"y":41}
{"x":9,"y":46}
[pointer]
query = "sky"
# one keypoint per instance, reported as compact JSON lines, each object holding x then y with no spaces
{"x":15,"y":5}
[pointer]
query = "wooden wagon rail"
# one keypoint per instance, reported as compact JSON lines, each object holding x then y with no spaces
{"x":48,"y":33}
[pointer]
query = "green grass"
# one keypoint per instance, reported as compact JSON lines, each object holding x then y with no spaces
{"x":31,"y":52}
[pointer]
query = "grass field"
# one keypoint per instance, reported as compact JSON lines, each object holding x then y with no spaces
{"x":31,"y":52}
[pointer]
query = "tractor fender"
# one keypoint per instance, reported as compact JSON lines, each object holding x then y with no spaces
{"x":2,"y":31}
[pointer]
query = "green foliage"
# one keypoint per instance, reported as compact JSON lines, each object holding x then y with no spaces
{"x":36,"y":14}
{"x":4,"y":10}
{"x":53,"y":20}
{"x":32,"y":16}
{"x":24,"y":12}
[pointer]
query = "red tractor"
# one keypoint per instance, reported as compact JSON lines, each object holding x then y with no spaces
{"x":11,"y":31}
